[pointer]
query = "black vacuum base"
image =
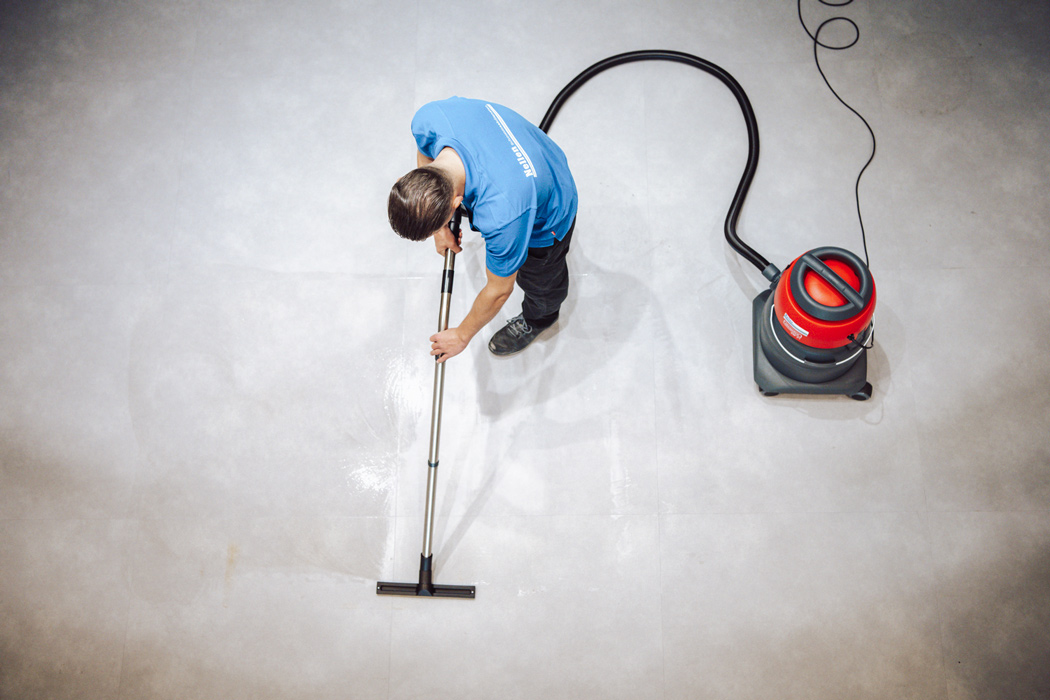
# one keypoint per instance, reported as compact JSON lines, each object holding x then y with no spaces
{"x":770,"y":381}
{"x":425,"y":588}
{"x":432,"y":591}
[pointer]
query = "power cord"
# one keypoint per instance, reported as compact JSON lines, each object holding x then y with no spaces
{"x":817,"y":43}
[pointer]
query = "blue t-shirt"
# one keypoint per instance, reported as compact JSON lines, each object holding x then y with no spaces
{"x":519,"y":189}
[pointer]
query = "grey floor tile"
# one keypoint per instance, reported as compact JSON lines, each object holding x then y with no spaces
{"x":124,"y":39}
{"x":807,"y":606}
{"x":260,"y":608}
{"x":68,"y":445}
{"x":982,"y":409}
{"x":970,"y":195}
{"x":247,"y":397}
{"x":521,"y":39}
{"x":93,"y":180}
{"x":248,"y":38}
{"x":63,"y":608}
{"x":993,"y":582}
{"x":551,"y":620}
{"x":290,"y":173}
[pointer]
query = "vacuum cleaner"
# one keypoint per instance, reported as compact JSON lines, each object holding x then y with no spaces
{"x":813,"y":327}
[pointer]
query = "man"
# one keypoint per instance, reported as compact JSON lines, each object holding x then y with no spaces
{"x":515,"y":183}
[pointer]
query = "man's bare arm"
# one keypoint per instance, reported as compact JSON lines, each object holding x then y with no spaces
{"x":489,"y":301}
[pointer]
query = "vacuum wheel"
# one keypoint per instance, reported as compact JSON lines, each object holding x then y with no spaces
{"x":864,"y":394}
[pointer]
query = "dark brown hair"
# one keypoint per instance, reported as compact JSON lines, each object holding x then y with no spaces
{"x":420,"y":203}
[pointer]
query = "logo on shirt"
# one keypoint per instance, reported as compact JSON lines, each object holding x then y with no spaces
{"x":519,"y":152}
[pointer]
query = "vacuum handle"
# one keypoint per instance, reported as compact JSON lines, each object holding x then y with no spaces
{"x":812,"y":263}
{"x":856,"y":300}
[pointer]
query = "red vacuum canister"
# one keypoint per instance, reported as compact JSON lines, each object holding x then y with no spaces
{"x":826,"y":298}
{"x":816,"y":324}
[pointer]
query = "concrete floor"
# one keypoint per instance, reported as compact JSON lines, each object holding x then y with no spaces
{"x":214,"y":380}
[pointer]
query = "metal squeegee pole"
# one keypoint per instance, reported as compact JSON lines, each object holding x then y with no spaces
{"x":425,"y":586}
{"x":738,"y":245}
{"x":435,"y":407}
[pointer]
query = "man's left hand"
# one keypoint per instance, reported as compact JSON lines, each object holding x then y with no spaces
{"x":445,"y":239}
{"x":447,"y":343}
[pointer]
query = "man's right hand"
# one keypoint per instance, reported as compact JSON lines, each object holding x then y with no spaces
{"x":443,"y":240}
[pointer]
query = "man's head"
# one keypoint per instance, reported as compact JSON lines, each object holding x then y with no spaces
{"x":420,"y":203}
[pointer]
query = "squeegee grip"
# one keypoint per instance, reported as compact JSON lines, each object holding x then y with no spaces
{"x":448,"y":274}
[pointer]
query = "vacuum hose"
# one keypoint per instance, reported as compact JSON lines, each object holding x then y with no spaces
{"x":769,"y":270}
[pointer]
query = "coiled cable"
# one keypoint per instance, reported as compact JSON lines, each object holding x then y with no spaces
{"x":818,"y":44}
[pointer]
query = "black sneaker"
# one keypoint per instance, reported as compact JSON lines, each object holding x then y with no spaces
{"x":514,"y":337}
